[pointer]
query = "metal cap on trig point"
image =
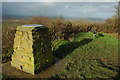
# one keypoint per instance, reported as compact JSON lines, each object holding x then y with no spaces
{"x":31,"y":25}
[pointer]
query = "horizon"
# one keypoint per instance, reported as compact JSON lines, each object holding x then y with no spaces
{"x":13,"y":17}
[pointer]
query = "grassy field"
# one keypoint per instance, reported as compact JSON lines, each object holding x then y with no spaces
{"x":88,"y":56}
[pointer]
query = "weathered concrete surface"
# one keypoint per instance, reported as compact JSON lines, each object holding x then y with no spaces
{"x":13,"y":72}
{"x":32,"y":49}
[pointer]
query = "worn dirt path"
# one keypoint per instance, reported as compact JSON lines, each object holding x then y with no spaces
{"x":13,"y":72}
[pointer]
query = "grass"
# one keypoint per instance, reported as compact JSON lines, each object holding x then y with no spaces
{"x":89,"y":57}
{"x":60,"y":29}
{"x":4,"y":77}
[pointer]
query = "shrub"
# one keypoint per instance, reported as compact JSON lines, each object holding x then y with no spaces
{"x":8,"y":32}
{"x":59,"y":28}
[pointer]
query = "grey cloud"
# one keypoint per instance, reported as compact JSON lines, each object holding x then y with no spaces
{"x":72,"y":9}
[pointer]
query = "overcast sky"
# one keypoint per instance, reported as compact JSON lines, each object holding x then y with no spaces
{"x":66,"y":9}
{"x":60,"y":0}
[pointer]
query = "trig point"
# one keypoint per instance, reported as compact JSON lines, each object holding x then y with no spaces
{"x":32,"y":49}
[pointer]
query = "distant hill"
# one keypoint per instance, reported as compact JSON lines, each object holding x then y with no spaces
{"x":79,"y":18}
{"x":96,"y":19}
{"x":4,"y":17}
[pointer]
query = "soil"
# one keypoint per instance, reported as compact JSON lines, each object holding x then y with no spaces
{"x":54,"y":69}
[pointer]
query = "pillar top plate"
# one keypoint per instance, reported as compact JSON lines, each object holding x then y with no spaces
{"x":32,"y":25}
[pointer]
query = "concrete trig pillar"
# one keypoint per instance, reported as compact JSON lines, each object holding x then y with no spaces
{"x":32,"y":49}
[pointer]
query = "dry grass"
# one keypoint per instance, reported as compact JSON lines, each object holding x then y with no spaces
{"x":108,"y":26}
{"x":38,"y":20}
{"x":8,"y":34}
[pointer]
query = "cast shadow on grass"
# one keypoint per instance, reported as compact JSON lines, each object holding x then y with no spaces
{"x":67,"y":48}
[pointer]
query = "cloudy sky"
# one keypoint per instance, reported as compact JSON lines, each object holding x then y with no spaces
{"x":66,"y":9}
